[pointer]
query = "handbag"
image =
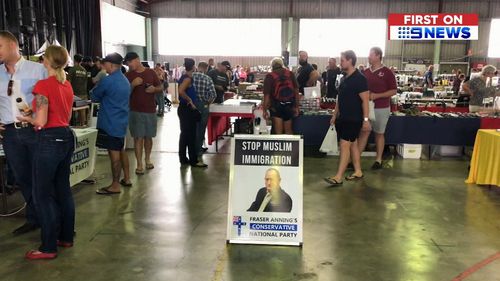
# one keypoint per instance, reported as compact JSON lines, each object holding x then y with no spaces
{"x":330,"y":143}
{"x":371,"y":111}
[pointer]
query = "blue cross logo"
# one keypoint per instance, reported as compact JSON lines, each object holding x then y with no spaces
{"x":237,"y":221}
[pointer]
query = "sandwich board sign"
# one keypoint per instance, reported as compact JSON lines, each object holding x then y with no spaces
{"x":265,"y":190}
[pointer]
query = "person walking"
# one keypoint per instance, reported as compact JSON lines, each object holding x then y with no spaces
{"x":349,"y":117}
{"x":160,"y":97}
{"x":52,"y":160}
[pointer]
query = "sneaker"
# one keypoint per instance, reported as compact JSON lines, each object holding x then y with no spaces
{"x":377,"y":165}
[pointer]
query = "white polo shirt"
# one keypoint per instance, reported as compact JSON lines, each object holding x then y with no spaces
{"x":26,"y":75}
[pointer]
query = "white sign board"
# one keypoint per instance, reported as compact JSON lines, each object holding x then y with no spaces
{"x":265,"y":192}
{"x":83,"y":160}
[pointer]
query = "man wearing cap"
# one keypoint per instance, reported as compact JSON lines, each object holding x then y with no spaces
{"x":221,"y":80}
{"x":142,"y":120}
{"x":113,"y":93}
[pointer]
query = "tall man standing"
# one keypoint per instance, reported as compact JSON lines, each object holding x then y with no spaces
{"x":113,"y":93}
{"x":206,"y":95}
{"x":142,"y":122}
{"x":307,"y":76}
{"x":382,"y":86}
{"x":17,"y":79}
{"x":221,"y":80}
{"x":331,"y":78}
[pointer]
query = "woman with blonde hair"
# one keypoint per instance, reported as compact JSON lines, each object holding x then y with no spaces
{"x":51,"y":164}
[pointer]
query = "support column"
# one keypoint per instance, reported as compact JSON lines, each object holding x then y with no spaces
{"x":437,"y":55}
{"x":149,"y":40}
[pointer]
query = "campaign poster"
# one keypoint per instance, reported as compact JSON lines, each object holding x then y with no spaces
{"x":83,"y":159}
{"x":265,"y":192}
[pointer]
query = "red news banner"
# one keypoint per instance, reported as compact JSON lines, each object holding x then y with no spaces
{"x":433,"y":27}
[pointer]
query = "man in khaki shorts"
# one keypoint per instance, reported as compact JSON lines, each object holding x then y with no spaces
{"x":382,"y":86}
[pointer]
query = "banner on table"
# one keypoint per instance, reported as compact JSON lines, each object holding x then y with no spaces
{"x":265,"y":190}
{"x":83,"y":160}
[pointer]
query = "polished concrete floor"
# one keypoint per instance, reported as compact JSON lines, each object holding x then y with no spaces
{"x":415,"y":220}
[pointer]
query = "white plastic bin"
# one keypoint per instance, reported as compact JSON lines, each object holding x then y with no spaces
{"x":410,"y":151}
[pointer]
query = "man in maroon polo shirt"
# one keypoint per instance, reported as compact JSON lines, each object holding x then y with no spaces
{"x":382,"y":86}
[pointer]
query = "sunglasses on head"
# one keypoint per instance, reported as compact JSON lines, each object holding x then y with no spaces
{"x":9,"y":88}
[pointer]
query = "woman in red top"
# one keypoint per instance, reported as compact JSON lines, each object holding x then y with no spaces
{"x":51,"y":164}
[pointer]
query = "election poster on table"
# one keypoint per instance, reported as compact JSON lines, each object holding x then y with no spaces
{"x":265,"y":190}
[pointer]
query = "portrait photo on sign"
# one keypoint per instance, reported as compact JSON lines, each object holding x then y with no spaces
{"x":265,"y":189}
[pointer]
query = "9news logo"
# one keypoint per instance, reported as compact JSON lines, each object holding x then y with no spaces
{"x":433,"y":27}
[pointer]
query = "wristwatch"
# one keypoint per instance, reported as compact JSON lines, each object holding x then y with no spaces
{"x":365,"y":119}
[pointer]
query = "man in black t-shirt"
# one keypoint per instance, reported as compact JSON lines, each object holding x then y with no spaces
{"x":221,"y":80}
{"x":350,"y":116}
{"x":306,"y":75}
{"x":331,"y":77}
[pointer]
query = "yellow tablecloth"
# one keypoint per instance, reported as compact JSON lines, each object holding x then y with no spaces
{"x":485,"y":162}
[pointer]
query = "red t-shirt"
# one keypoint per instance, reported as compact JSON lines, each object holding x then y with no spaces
{"x":140,"y":101}
{"x":60,"y":97}
{"x":379,"y":81}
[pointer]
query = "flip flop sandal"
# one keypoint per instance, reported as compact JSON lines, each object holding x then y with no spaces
{"x":139,"y":172}
{"x":333,"y":181}
{"x":126,"y":184}
{"x":106,"y":191}
{"x":354,"y":177}
{"x":150,"y":166}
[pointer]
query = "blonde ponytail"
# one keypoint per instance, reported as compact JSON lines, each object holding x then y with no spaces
{"x":57,"y":57}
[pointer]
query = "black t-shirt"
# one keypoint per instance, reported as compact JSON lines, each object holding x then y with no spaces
{"x":331,"y":78}
{"x":220,"y":79}
{"x":303,"y":76}
{"x":350,"y":103}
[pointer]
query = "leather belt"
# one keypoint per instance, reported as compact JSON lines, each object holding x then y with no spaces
{"x":19,"y":125}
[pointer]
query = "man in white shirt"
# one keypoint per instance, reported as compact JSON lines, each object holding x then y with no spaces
{"x":17,"y":79}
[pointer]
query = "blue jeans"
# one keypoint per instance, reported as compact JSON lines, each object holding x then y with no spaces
{"x":19,"y":146}
{"x":51,"y":187}
{"x":201,"y":126}
{"x":160,"y":102}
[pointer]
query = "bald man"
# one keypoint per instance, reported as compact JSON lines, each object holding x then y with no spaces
{"x":272,"y":198}
{"x":307,"y":76}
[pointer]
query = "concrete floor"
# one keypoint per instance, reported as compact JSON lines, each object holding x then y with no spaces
{"x":414,"y":221}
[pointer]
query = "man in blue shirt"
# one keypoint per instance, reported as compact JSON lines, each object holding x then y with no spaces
{"x":17,"y":79}
{"x":113,"y":94}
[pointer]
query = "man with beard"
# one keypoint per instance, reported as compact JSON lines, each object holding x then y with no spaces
{"x":331,"y":77}
{"x":307,"y":76}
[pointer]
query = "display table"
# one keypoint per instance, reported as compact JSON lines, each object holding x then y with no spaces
{"x":83,"y":160}
{"x":401,"y":129}
{"x":448,"y":109}
{"x":490,"y":123}
{"x":219,"y":119}
{"x":485,"y":162}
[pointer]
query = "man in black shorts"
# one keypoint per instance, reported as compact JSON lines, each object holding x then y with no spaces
{"x":281,"y":95}
{"x":350,"y":116}
{"x":113,"y":93}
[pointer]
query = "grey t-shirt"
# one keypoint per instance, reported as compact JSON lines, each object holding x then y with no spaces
{"x":480,"y":91}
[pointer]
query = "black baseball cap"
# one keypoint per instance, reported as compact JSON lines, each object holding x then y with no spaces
{"x":113,"y":58}
{"x":130,"y":56}
{"x":87,"y":59}
{"x":226,"y":64}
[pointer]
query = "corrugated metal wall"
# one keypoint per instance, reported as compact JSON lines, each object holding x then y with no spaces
{"x":486,"y":9}
{"x":129,"y":5}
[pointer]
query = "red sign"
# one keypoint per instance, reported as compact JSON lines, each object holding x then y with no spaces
{"x":433,"y":19}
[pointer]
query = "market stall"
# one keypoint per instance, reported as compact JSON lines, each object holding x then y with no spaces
{"x":485,"y":162}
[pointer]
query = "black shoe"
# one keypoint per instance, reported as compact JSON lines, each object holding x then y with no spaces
{"x":350,"y":167}
{"x":199,"y":165}
{"x":377,"y":165}
{"x":204,"y":149}
{"x":184,"y":161}
{"x":25,"y":228}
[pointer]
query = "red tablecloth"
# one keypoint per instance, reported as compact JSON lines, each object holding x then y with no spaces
{"x":490,"y":123}
{"x":219,"y":123}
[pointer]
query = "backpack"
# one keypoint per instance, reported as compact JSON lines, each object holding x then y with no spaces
{"x":284,"y":89}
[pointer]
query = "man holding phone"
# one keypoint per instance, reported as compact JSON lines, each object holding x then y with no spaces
{"x":142,"y":122}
